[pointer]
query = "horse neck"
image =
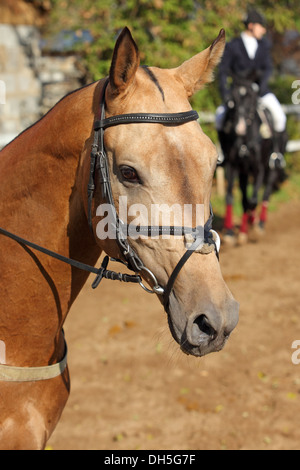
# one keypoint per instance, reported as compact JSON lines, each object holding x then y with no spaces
{"x":41,"y":200}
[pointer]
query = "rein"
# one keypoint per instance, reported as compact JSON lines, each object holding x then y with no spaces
{"x":99,"y":164}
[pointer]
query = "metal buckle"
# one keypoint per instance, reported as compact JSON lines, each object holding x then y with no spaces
{"x":217,"y":239}
{"x":156,"y":289}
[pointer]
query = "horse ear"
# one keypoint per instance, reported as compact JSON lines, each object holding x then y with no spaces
{"x":125,"y":62}
{"x":198,"y":70}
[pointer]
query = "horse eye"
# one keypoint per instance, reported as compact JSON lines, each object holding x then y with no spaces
{"x":129,"y":174}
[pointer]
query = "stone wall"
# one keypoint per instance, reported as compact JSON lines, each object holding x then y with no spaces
{"x":30,"y":82}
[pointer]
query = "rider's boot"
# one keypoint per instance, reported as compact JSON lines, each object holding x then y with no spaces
{"x":277,"y":160}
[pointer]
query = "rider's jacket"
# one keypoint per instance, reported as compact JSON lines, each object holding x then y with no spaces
{"x":237,"y":63}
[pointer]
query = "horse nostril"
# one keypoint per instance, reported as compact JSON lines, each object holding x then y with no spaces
{"x":201,"y":327}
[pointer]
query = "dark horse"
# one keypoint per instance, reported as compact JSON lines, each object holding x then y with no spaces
{"x":252,"y":152}
{"x":130,"y":136}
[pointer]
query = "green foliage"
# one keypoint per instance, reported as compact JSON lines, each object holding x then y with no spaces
{"x":167,"y":31}
{"x":281,"y":85}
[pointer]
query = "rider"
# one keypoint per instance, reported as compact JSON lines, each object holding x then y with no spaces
{"x":251,"y":52}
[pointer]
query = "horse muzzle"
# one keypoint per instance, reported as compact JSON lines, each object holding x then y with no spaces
{"x":202,"y":333}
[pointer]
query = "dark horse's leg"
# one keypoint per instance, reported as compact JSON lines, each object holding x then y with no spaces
{"x":258,"y":173}
{"x":250,"y":165}
{"x":243,"y":180}
{"x":271,"y":178}
{"x":274,"y":170}
{"x":230,"y":172}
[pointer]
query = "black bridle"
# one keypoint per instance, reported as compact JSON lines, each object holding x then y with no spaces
{"x":99,"y":164}
{"x":99,"y":167}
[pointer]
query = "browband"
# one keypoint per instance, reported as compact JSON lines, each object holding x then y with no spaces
{"x":158,"y":118}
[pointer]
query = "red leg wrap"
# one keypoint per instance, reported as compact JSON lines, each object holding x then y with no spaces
{"x":228,"y":222}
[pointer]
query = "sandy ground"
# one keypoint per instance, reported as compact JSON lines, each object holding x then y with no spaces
{"x":132,"y":388}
